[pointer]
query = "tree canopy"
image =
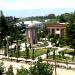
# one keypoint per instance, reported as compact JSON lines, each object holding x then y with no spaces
{"x":70,"y":32}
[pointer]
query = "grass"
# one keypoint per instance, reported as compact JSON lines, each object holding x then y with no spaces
{"x":63,"y":58}
{"x":66,"y":51}
{"x":37,"y":52}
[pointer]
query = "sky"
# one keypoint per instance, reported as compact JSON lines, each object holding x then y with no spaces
{"x":25,"y":8}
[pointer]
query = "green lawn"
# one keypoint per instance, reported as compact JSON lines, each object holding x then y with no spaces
{"x":37,"y":52}
{"x":66,"y":51}
{"x":62,"y":58}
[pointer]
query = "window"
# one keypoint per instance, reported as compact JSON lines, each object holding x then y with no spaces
{"x":57,"y":29}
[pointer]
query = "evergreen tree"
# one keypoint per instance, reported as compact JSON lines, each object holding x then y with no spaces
{"x":10,"y":71}
{"x":3,"y":28}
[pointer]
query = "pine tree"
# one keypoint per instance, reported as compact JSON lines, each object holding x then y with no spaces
{"x":3,"y":28}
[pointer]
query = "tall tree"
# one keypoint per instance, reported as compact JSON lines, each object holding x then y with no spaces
{"x":70,"y":33}
{"x":3,"y":28}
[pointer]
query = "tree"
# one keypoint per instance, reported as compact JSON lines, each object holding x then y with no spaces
{"x":5,"y":46}
{"x":3,"y":28}
{"x":54,"y":54}
{"x":62,"y":54}
{"x":45,"y":32}
{"x":47,"y":53}
{"x":27,"y":53}
{"x":17,"y":52}
{"x":51,"y":16}
{"x":61,"y":18}
{"x":10,"y":71}
{"x":42,"y":33}
{"x":40,"y":68}
{"x":1,"y":69}
{"x":70,"y":33}
{"x":22,"y":71}
{"x":33,"y":57}
{"x":55,"y":40}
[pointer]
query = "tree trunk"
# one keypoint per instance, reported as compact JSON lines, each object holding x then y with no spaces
{"x":73,"y":55}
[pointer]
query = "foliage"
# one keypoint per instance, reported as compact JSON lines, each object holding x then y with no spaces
{"x":1,"y":69}
{"x":51,"y":22}
{"x":22,"y":71}
{"x":57,"y":41}
{"x":41,"y":18}
{"x":33,"y":57}
{"x":3,"y":28}
{"x":27,"y":53}
{"x":54,"y":54}
{"x":64,"y":17}
{"x":42,"y":33}
{"x":17,"y":52}
{"x":47,"y":53}
{"x":37,"y":52}
{"x":40,"y":68}
{"x":16,"y":35}
{"x":51,"y":16}
{"x":66,"y":51}
{"x":70,"y":32}
{"x":10,"y":71}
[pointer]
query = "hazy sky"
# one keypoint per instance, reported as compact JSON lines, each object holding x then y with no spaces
{"x":36,"y":7}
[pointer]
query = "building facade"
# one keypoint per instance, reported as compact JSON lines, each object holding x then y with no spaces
{"x":57,"y":29}
{"x":31,"y":35}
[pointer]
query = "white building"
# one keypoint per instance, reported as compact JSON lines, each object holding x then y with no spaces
{"x":37,"y":24}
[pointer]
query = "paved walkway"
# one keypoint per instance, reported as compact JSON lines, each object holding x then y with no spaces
{"x":61,"y":71}
{"x":15,"y":65}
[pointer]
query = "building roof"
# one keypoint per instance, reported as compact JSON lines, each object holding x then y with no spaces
{"x":58,"y":25}
{"x":29,"y":23}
